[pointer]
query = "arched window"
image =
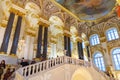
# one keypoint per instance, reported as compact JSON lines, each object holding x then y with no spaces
{"x":112,"y":34}
{"x":99,"y":61}
{"x":116,"y":58}
{"x":94,"y":40}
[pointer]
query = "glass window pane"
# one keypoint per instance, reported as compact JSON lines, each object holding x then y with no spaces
{"x":112,"y":34}
{"x":94,"y":39}
{"x":116,"y":58}
{"x":98,"y":61}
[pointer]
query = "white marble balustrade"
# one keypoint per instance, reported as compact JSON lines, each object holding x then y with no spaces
{"x":52,"y":63}
{"x":103,"y":74}
{"x":45,"y":65}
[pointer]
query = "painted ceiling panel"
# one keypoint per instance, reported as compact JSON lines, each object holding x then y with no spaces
{"x":88,"y":9}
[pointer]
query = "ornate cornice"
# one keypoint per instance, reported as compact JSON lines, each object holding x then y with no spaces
{"x":67,"y":33}
{"x":44,"y":22}
{"x":78,"y":39}
{"x":17,"y":10}
{"x":113,"y":43}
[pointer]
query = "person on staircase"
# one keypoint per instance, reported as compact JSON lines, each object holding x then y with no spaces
{"x":2,"y":64}
{"x":7,"y":74}
{"x":1,"y":72}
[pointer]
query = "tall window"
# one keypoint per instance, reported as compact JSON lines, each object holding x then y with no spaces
{"x":116,"y":58}
{"x":99,"y":61}
{"x":94,"y":40}
{"x":112,"y":34}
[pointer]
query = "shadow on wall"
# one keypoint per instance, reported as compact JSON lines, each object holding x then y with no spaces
{"x":81,"y":74}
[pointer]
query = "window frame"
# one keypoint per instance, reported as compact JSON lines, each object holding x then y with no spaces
{"x":114,"y":32}
{"x":103,"y":67}
{"x":96,"y":40}
{"x":113,"y":60}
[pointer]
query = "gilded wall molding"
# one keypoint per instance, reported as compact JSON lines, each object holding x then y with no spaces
{"x":67,"y":33}
{"x":22,"y":3}
{"x":4,"y":23}
{"x":113,"y":44}
{"x":17,"y":10}
{"x":99,"y":48}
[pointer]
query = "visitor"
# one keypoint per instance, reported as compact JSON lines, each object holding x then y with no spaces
{"x":33,"y":61}
{"x":2,"y":64}
{"x":7,"y":74}
{"x":1,"y":72}
{"x":24,"y":63}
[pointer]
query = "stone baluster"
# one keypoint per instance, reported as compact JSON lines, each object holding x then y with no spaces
{"x":37,"y":68}
{"x":40,"y":66}
{"x":29,"y":69}
{"x":25,"y":72}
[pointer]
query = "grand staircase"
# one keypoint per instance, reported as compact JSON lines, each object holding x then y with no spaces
{"x":60,"y":68}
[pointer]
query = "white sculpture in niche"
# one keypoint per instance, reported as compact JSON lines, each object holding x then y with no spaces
{"x":21,"y":47}
{"x":56,"y":29}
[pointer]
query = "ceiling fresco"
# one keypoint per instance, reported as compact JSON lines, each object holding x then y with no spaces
{"x":88,"y":9}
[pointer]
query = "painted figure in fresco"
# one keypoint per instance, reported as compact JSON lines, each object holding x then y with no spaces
{"x":118,"y":8}
{"x":89,"y":9}
{"x":90,"y":3}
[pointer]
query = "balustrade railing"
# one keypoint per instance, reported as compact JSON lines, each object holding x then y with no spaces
{"x":52,"y":63}
{"x":101,"y":72}
{"x":45,"y":65}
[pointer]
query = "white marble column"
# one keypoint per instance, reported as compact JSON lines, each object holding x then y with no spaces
{"x":21,"y":48}
{"x":26,"y":51}
{"x":107,"y":58}
{"x":31,"y":47}
{"x":2,"y":31}
{"x":53,"y":51}
{"x":34,"y":54}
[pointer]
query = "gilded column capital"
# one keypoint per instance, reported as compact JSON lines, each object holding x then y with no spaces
{"x":3,"y":23}
{"x":31,"y":32}
{"x":86,"y":43}
{"x":17,"y":10}
{"x":44,"y":22}
{"x":53,"y":39}
{"x":67,"y":33}
{"x":78,"y":39}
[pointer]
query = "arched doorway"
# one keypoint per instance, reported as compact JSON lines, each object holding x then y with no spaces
{"x":56,"y":37}
{"x":31,"y":25}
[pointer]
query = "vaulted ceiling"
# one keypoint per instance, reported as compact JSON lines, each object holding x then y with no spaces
{"x":89,"y":9}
